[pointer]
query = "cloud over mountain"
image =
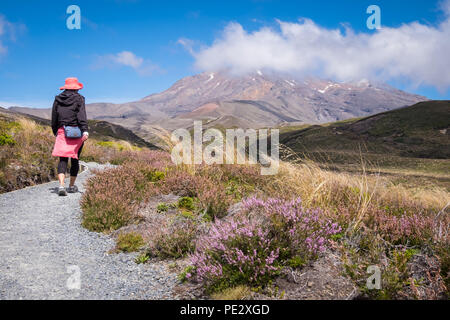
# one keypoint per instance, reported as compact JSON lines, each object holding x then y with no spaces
{"x":413,"y":52}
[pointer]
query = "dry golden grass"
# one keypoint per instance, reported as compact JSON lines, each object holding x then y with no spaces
{"x":237,"y":293}
{"x":326,"y":188}
{"x":27,"y":161}
{"x":29,"y":129}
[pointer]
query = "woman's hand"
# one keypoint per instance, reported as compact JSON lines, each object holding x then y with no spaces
{"x":85,"y":136}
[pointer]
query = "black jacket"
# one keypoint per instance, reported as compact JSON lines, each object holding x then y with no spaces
{"x":69,"y":110}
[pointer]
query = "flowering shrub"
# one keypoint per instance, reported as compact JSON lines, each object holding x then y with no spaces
{"x":298,"y":230}
{"x":114,"y":195}
{"x":251,"y":248}
{"x":412,"y":229}
{"x":181,"y":183}
{"x":236,"y":252}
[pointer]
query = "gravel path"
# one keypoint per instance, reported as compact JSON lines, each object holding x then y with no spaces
{"x":44,"y":251}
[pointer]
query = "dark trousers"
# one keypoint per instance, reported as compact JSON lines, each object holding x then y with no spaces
{"x":74,"y":164}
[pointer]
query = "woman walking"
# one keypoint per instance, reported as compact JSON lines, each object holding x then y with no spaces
{"x":69,"y":125}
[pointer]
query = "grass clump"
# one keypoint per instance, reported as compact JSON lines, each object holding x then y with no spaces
{"x":162,"y":207}
{"x":129,"y":242}
{"x":236,"y":293}
{"x":186,"y":203}
{"x":141,"y":259}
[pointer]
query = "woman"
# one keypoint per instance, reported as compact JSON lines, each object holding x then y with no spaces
{"x":69,"y":110}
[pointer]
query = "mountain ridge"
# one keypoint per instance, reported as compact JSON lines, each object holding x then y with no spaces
{"x":258,"y":99}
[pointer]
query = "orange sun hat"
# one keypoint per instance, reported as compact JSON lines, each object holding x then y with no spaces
{"x":72,"y":84}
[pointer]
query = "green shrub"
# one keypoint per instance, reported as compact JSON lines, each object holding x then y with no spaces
{"x":6,"y":140}
{"x":296,"y":262}
{"x":129,"y":242}
{"x":395,"y":277}
{"x":162,"y":207}
{"x":188,"y":214}
{"x":443,"y":251}
{"x":153,"y":175}
{"x":186,"y":203}
{"x":143,"y":258}
{"x":186,"y":274}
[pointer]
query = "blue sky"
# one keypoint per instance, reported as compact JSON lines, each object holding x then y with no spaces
{"x":37,"y":51}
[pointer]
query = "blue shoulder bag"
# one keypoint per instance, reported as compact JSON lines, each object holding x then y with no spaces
{"x":72,"y":132}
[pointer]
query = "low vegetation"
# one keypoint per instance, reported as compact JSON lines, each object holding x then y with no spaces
{"x":237,"y":229}
{"x":25,"y":154}
{"x":26,"y":146}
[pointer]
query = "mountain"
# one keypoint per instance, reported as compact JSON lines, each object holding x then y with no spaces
{"x":418,"y":131}
{"x":254,"y":100}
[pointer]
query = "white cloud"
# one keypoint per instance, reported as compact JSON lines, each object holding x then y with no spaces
{"x":414,"y":52}
{"x":128,"y":59}
{"x":8,"y":31}
{"x":188,"y":44}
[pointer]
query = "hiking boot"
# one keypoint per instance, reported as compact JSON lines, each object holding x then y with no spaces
{"x":72,"y":189}
{"x":62,"y":191}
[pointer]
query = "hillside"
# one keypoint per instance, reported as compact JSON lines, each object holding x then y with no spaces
{"x":413,"y":140}
{"x":100,"y":130}
{"x":421,"y":131}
